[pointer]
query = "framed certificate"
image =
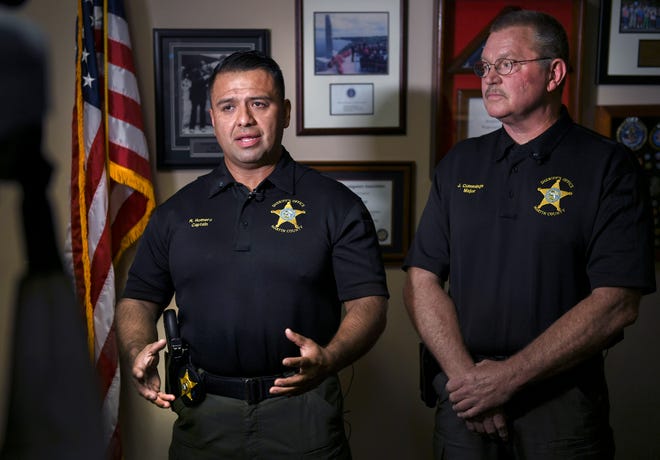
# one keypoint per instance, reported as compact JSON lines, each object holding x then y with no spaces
{"x":386,"y":190}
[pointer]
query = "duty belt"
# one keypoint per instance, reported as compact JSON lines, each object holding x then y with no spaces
{"x":252,"y":390}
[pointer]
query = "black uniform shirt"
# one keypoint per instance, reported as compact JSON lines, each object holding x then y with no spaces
{"x":245,"y":266}
{"x":524,"y":232}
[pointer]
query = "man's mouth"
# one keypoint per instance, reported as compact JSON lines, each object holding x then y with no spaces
{"x":247,"y":141}
{"x":494,"y":93}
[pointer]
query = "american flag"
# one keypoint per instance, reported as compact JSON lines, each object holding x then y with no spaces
{"x":111,"y":191}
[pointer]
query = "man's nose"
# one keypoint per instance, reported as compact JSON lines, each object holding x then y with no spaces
{"x":245,"y":117}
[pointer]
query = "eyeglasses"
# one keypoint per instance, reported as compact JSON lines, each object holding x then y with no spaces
{"x":501,"y":66}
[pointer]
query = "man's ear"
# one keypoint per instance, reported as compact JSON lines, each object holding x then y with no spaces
{"x":287,"y":113}
{"x":557,"y":74}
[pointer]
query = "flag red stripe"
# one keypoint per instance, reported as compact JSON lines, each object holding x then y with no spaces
{"x":114,"y":447}
{"x":101,"y":262}
{"x":130,"y":159}
{"x":95,"y":167}
{"x":120,"y":55}
{"x":125,"y":109}
{"x":131,"y":211}
{"x":106,"y":364}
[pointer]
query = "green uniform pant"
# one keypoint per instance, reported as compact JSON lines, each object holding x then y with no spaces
{"x":309,"y":426}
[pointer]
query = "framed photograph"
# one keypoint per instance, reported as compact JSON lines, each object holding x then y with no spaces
{"x":351,"y":66}
{"x":472,"y":119}
{"x":637,"y":127}
{"x":629,"y":42}
{"x":183,"y":61}
{"x":459,"y":38}
{"x":387,"y":191}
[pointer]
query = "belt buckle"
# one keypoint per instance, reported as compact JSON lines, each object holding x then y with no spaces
{"x":253,"y":391}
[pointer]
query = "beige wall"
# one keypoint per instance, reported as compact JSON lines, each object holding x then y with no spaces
{"x":387,"y":419}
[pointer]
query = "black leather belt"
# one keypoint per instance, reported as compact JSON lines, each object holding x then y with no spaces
{"x":253,"y":390}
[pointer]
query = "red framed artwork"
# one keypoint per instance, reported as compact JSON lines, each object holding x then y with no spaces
{"x":461,"y":28}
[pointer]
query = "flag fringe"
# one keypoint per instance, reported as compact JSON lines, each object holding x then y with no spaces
{"x":130,"y":178}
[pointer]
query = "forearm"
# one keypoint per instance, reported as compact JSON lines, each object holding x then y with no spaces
{"x":433,"y":315}
{"x":363,"y":323}
{"x":580,"y":333}
{"x":135,"y":322}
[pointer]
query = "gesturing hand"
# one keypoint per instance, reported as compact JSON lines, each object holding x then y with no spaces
{"x":313,"y":365}
{"x":145,"y":375}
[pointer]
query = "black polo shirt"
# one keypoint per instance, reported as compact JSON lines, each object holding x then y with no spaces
{"x":524,"y":232}
{"x":245,"y":266}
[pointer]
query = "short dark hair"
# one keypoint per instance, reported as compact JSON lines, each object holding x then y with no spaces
{"x":243,"y":61}
{"x":550,"y":37}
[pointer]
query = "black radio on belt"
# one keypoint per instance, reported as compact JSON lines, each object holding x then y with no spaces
{"x":181,"y":379}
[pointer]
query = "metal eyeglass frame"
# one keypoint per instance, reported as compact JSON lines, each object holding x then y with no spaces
{"x":483,"y":64}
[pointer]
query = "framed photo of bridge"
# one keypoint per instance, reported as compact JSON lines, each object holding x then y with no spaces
{"x":351,"y":66}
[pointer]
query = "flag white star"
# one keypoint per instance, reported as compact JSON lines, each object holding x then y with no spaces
{"x":84,"y":55}
{"x":88,"y":80}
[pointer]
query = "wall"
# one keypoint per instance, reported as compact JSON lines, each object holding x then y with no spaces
{"x":386,"y":417}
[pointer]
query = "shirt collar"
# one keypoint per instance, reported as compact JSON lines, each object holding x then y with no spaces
{"x":282,"y":177}
{"x":541,"y":147}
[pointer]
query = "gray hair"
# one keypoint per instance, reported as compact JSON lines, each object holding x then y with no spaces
{"x":550,"y":39}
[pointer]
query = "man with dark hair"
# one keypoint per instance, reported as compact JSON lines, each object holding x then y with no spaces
{"x":262,"y":253}
{"x":542,"y":230}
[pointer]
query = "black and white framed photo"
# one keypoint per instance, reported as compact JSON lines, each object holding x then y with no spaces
{"x":184,"y":60}
{"x":351,"y":66}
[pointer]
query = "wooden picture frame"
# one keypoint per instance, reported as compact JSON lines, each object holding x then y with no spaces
{"x":351,"y":66}
{"x":456,"y":47}
{"x":387,"y":191}
{"x":183,"y":61}
{"x":628,"y":47}
{"x":472,"y":119}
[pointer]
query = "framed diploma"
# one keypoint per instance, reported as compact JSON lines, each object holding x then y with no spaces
{"x":351,"y":67}
{"x":386,"y":190}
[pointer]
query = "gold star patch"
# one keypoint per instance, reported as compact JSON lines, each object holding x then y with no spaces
{"x":288,"y":214}
{"x":553,"y":195}
{"x":187,"y":385}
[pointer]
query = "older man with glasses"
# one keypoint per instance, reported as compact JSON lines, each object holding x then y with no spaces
{"x":542,"y":230}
